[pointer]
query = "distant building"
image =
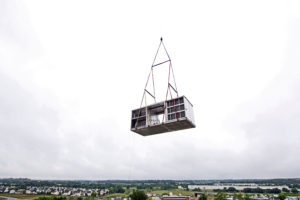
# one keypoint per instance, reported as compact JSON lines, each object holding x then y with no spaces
{"x":55,"y":193}
{"x":293,"y":198}
{"x":260,"y":197}
{"x":149,"y":194}
{"x":155,"y":198}
{"x":12,"y":192}
{"x":237,"y":186}
{"x":20,"y":191}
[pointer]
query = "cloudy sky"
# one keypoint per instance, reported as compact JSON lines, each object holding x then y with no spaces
{"x":71,"y":71}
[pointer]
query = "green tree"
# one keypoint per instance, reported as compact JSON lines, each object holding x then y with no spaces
{"x":220,"y":196}
{"x":294,"y":190}
{"x":231,"y":189}
{"x":275,"y":191}
{"x":119,"y":189}
{"x":247,"y":197}
{"x":237,"y":196}
{"x":258,"y":190}
{"x":52,"y":198}
{"x":247,"y":190}
{"x":43,"y":198}
{"x":58,"y":198}
{"x":94,"y":194}
{"x":138,"y":195}
{"x":282,"y":196}
{"x":285,"y":190}
{"x":203,"y":196}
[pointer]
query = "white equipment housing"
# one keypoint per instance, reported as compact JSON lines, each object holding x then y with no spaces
{"x":170,"y":115}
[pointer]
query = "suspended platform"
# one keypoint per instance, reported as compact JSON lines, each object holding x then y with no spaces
{"x":171,"y":115}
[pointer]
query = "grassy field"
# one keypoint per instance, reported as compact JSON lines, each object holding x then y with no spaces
{"x":114,"y":195}
{"x":23,"y":196}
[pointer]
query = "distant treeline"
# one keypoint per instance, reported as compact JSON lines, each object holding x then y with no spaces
{"x":141,"y":184}
{"x":114,"y":187}
{"x":258,"y":190}
{"x":283,"y":181}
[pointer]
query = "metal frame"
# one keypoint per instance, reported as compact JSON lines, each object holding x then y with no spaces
{"x":169,"y":84}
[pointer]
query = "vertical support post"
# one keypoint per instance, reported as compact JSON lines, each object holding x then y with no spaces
{"x":146,"y":110}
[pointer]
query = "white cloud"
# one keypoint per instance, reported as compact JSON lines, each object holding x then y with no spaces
{"x":70,"y":74}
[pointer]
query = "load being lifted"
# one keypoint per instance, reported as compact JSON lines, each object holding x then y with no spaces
{"x":172,"y":114}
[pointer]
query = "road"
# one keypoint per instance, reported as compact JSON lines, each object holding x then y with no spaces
{"x":9,"y":198}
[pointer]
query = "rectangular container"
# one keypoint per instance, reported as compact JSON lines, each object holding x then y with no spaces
{"x":171,"y":115}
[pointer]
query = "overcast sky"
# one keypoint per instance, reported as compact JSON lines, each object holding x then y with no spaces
{"x":71,"y":71}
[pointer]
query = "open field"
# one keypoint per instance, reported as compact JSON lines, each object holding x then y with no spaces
{"x":115,"y":195}
{"x":23,"y":196}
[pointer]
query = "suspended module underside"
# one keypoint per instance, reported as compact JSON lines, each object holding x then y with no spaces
{"x":171,"y":115}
